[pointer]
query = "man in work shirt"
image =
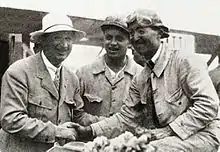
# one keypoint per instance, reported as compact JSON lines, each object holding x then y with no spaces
{"x":104,"y":84}
{"x":172,"y":99}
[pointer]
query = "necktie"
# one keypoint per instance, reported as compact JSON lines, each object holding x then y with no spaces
{"x":151,"y":120}
{"x":56,"y":80}
{"x":150,"y":64}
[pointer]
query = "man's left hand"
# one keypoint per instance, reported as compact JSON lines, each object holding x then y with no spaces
{"x":84,"y":132}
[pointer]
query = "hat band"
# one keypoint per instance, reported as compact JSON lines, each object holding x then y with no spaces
{"x":56,"y":25}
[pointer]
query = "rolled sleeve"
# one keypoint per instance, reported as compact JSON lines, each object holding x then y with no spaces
{"x":177,"y":127}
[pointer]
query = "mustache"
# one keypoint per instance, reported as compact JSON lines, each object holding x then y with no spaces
{"x":113,"y":48}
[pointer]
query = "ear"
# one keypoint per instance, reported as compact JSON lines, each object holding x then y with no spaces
{"x":159,"y":34}
{"x":102,"y":43}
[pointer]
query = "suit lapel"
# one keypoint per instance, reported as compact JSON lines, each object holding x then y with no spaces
{"x":44,"y":75}
{"x":162,"y":61}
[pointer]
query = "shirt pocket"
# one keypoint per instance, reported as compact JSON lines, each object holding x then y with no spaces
{"x":39,"y":107}
{"x":175,"y":96}
{"x":92,"y":98}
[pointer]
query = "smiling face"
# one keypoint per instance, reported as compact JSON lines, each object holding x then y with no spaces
{"x":57,"y":46}
{"x":116,"y":42}
{"x":145,"y":40}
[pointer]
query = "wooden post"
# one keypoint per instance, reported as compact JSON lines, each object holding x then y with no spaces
{"x":15,"y":47}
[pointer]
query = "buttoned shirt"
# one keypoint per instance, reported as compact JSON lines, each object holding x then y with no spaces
{"x":103,"y":94}
{"x":114,"y":74}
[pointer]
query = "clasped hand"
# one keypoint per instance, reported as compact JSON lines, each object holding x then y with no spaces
{"x":65,"y":133}
{"x":72,"y":131}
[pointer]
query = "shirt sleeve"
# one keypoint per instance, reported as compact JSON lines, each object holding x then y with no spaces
{"x":201,"y":93}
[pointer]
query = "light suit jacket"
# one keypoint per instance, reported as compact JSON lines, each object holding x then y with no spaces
{"x":31,"y":107}
{"x":184,"y":98}
{"x":103,"y":95}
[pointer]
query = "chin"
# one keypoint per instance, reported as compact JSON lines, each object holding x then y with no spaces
{"x":61,"y":59}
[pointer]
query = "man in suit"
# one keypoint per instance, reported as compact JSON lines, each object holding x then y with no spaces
{"x":104,"y":84}
{"x":172,"y":101}
{"x":40,"y":97}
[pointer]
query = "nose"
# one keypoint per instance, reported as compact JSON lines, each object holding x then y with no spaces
{"x":135,"y":36}
{"x":113,"y":42}
{"x":64,"y":44}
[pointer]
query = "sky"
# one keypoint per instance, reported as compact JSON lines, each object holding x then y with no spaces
{"x":191,"y":15}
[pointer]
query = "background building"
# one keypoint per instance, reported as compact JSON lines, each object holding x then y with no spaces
{"x":16,"y":24}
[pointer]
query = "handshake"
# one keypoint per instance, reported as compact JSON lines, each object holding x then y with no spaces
{"x":70,"y":131}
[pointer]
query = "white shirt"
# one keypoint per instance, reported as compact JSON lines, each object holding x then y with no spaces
{"x":50,"y":67}
{"x":157,"y":54}
{"x":114,"y":75}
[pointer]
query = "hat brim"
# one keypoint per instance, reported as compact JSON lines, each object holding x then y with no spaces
{"x":165,"y":30}
{"x":105,"y":26}
{"x":37,"y":35}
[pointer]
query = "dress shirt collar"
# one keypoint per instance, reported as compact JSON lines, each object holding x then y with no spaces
{"x":157,"y":54}
{"x":50,"y":67}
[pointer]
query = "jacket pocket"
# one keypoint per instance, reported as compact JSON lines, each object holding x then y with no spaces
{"x":41,"y":104}
{"x":92,"y":98}
{"x":175,"y":96}
{"x":39,"y":107}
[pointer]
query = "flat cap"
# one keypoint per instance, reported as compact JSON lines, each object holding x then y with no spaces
{"x":116,"y":21}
